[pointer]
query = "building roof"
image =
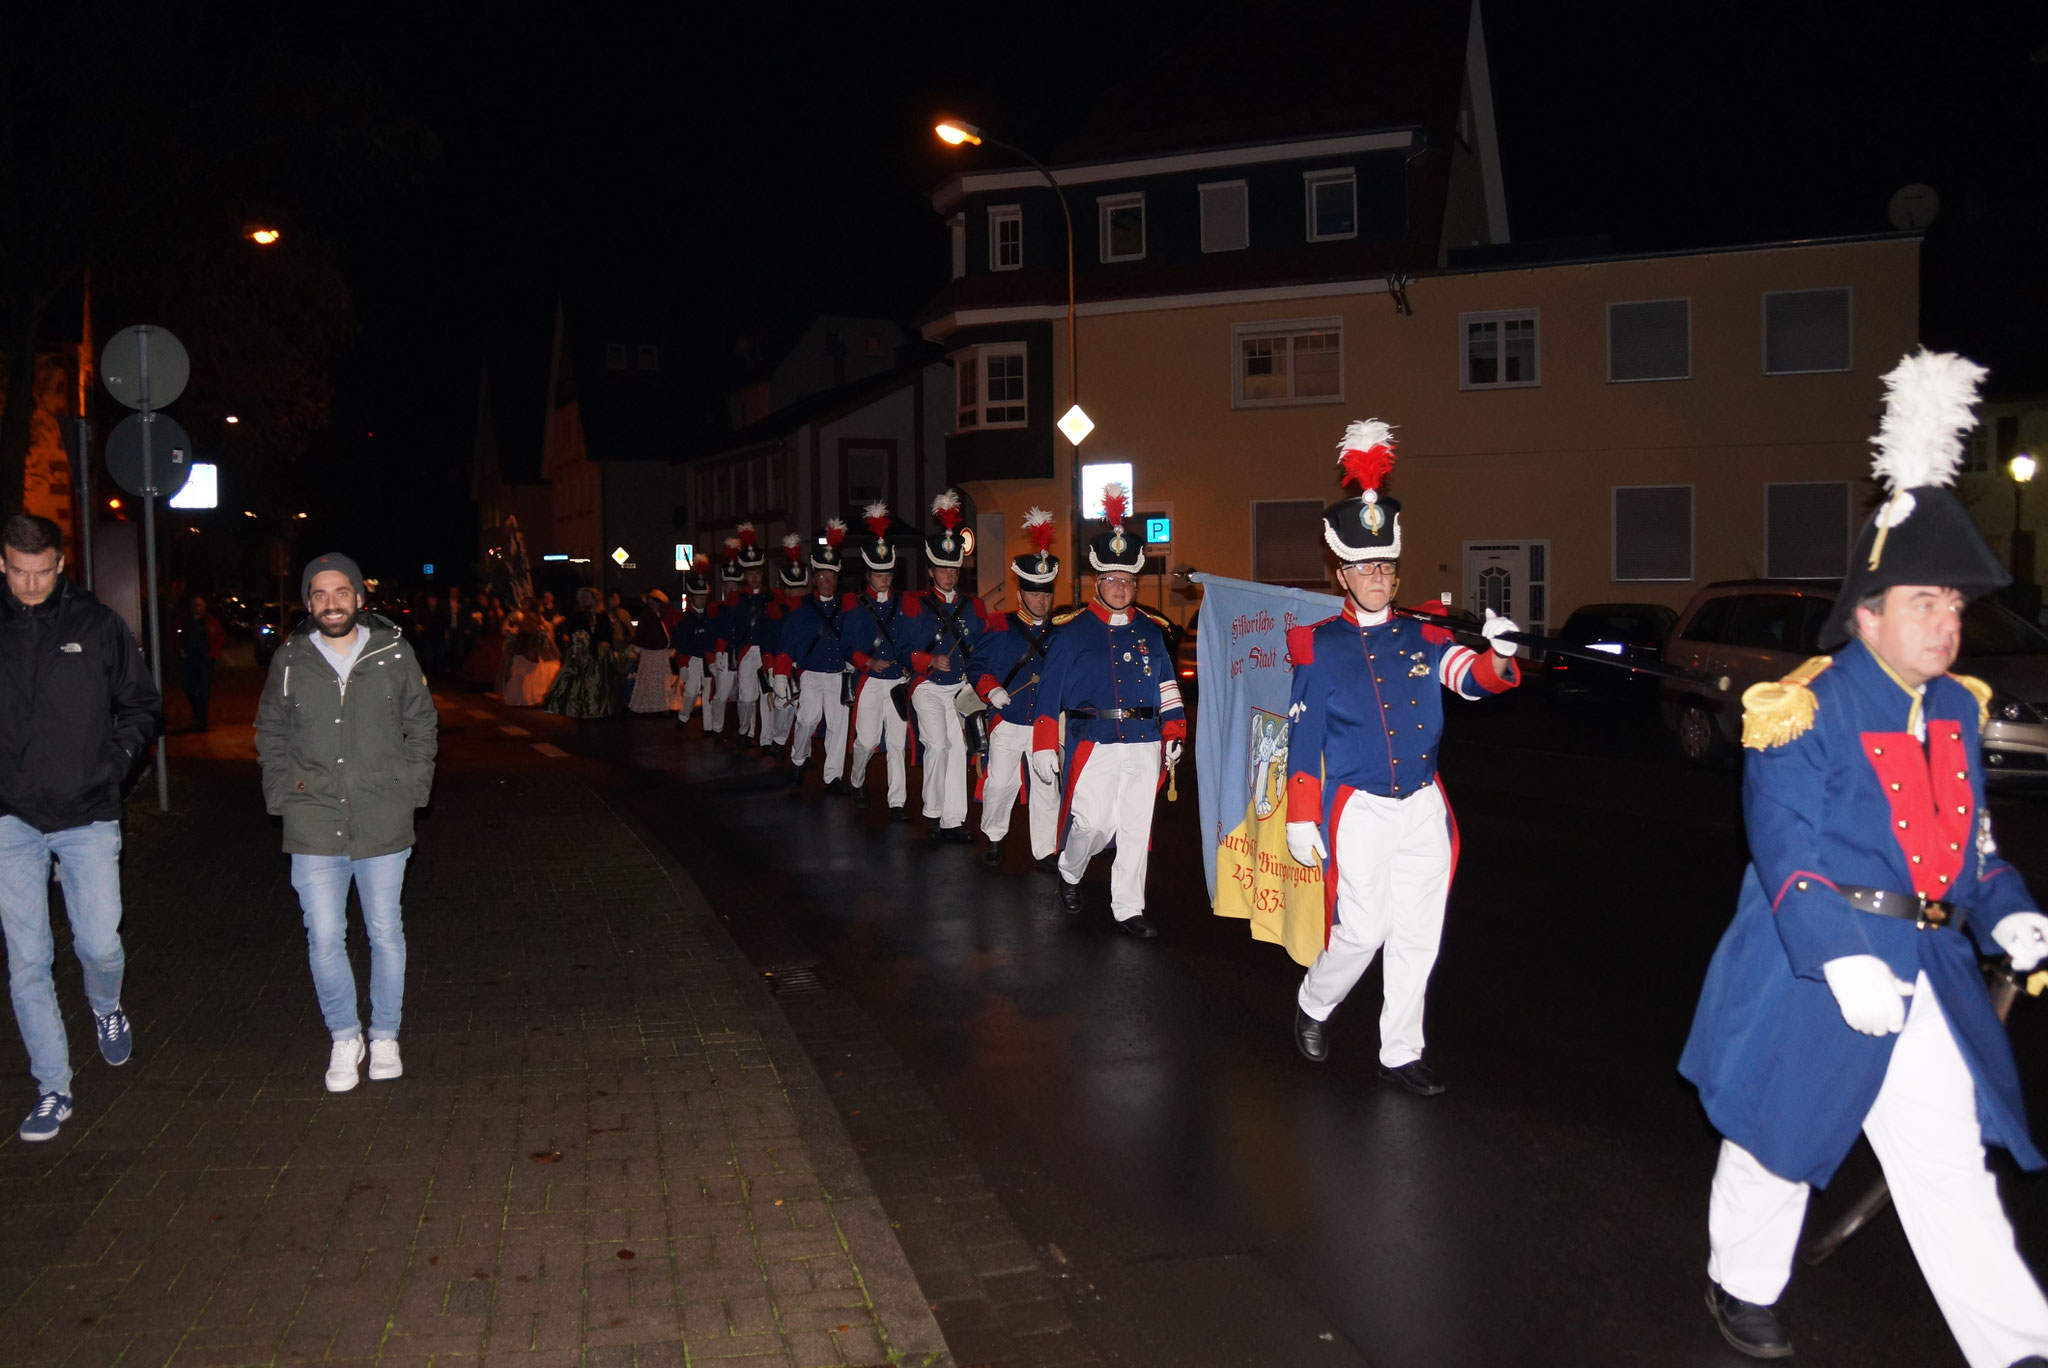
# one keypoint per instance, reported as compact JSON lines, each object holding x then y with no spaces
{"x":631,"y":414}
{"x":825,"y":405}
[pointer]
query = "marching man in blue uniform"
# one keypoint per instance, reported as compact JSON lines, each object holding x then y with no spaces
{"x":743,"y":629}
{"x":1846,"y":993}
{"x":812,"y":662}
{"x":724,"y":679}
{"x":879,"y":642}
{"x":1110,"y":672}
{"x":1363,"y":799}
{"x":792,"y":587}
{"x":949,"y":628}
{"x":1008,"y":668}
{"x":689,"y":639}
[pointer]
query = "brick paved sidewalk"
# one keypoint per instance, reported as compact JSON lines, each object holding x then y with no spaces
{"x":607,"y":1149}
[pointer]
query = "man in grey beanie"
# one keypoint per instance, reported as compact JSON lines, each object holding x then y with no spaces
{"x":347,"y":733}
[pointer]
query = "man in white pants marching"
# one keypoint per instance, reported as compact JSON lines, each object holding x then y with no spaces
{"x":1362,"y":795}
{"x":1010,"y":664}
{"x":878,"y":641}
{"x":723,"y":679}
{"x":948,"y":628}
{"x":813,"y":655}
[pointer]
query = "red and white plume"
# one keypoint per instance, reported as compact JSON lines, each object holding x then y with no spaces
{"x":1038,"y":527}
{"x":747,"y":534}
{"x":835,"y":531}
{"x":793,"y":547}
{"x":946,"y":508}
{"x":1115,"y":503}
{"x":876,"y":516}
{"x":732,"y":548}
{"x":1367,"y":456}
{"x":702,"y":564}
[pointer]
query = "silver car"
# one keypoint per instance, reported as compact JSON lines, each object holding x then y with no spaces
{"x":1750,"y":631}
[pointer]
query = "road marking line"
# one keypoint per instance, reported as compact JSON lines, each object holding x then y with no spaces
{"x":480,"y":715}
{"x":550,"y":750}
{"x":511,"y":730}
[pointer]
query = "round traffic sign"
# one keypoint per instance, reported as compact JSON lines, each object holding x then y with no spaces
{"x":145,"y":365}
{"x":170,"y":455}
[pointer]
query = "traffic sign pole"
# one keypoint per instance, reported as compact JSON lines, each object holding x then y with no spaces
{"x":156,"y":652}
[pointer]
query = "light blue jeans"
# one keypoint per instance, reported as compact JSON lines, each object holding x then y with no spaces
{"x":322,"y":881}
{"x":91,"y":875}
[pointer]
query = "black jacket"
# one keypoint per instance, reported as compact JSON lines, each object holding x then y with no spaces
{"x":76,"y":705}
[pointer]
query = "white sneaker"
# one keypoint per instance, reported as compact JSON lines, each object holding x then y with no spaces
{"x":343,"y":1063}
{"x":384,"y":1060}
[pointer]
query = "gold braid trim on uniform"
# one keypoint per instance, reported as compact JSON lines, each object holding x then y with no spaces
{"x":1062,"y":619}
{"x":1775,"y":714}
{"x":1981,"y":691}
{"x":1157,"y":618}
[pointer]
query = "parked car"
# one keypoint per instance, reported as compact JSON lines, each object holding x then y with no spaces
{"x":1630,"y":632}
{"x":1749,"y":631}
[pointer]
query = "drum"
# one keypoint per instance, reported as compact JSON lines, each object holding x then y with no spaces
{"x":973,"y":718}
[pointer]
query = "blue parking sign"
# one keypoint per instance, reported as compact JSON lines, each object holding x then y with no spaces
{"x":1159,"y":531}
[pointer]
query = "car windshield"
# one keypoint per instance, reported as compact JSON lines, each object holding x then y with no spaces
{"x":1992,"y":630}
{"x":1607,"y":624}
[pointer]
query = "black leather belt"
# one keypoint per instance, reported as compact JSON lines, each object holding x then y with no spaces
{"x":1114,"y":714}
{"x":1929,"y":914}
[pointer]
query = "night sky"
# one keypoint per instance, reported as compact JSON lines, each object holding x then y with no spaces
{"x":754,"y":165}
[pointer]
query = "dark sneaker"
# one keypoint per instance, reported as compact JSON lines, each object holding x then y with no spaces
{"x":117,"y":1041}
{"x":52,"y":1111}
{"x":1748,"y":1328}
{"x":1414,"y":1076}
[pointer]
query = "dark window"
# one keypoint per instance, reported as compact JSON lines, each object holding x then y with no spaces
{"x":1649,"y":340}
{"x":1766,"y":622}
{"x":1709,"y":622}
{"x":1653,"y":532}
{"x":1225,"y":218}
{"x":1806,"y":530}
{"x":1806,"y":331}
{"x":1287,"y":541}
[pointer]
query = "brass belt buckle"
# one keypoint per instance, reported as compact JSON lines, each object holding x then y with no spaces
{"x":1933,"y":915}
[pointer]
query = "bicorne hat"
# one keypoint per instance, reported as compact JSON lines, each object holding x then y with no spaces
{"x":948,"y":547}
{"x":1921,"y":533}
{"x":1116,"y":549}
{"x":1038,"y":569}
{"x":1367,"y":527}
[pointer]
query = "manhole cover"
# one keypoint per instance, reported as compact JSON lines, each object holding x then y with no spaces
{"x":787,"y":979}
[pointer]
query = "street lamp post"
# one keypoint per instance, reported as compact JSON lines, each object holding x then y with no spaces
{"x":2021,"y":468}
{"x":1075,"y":424}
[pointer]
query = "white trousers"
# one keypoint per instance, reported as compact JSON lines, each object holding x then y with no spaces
{"x":747,"y":691}
{"x":778,"y":719}
{"x":1393,"y":874}
{"x":875,"y":721}
{"x":1924,"y":1129}
{"x":693,"y":690}
{"x":1009,"y":769}
{"x":943,"y":744}
{"x":818,"y":701}
{"x":719,"y":697}
{"x":1112,"y":800}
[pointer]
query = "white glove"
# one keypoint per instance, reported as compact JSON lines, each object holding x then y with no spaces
{"x":999,"y":698}
{"x":1173,"y":752}
{"x":1305,"y":844}
{"x":1046,"y":765}
{"x":718,"y":666}
{"x":2024,"y":936}
{"x":1491,"y":629}
{"x":1872,"y":998}
{"x":781,"y":687}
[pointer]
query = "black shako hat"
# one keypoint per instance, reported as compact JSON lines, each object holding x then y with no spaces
{"x":948,"y":547}
{"x":751,"y":555}
{"x":1921,"y":533}
{"x":1116,"y":549}
{"x":793,"y":574}
{"x":729,"y":568}
{"x":877,"y":553}
{"x":1038,"y":569}
{"x":829,"y":556}
{"x":1367,"y":527}
{"x":697,"y":582}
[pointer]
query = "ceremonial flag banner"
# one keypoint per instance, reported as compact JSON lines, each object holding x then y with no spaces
{"x":1244,"y":682}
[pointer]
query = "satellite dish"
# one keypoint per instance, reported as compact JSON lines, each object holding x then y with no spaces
{"x":1914,"y":206}
{"x":2034,"y":432}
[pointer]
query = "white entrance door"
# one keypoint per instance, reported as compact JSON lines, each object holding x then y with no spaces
{"x":1512,"y":578}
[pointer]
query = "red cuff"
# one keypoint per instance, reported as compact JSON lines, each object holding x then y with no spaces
{"x":921,"y":661}
{"x":1488,"y":671}
{"x":783,"y":665}
{"x":1045,"y":734}
{"x":1304,"y":799}
{"x":860,"y":660}
{"x":1174,"y":729}
{"x":985,"y":686}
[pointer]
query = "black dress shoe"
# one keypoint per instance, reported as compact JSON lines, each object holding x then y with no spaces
{"x":837,"y":789}
{"x":2030,"y":1361}
{"x":1070,"y":898}
{"x":1138,"y":928}
{"x":993,"y":856}
{"x":1749,"y":1328}
{"x":1311,"y":1037}
{"x":1049,"y":865}
{"x":1416,"y":1077}
{"x":796,"y":776}
{"x":897,"y":814}
{"x":860,"y":795}
{"x":958,"y":835}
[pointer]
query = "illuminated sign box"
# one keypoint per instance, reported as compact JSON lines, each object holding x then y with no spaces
{"x":686,"y":555}
{"x":202,"y":488}
{"x":1158,"y":530}
{"x":1094,"y":477}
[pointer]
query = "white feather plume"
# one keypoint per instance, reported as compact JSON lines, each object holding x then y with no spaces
{"x":1364,"y":434}
{"x":1036,"y":517}
{"x":877,"y":509}
{"x":791,"y":539}
{"x":1929,"y":398}
{"x":835,"y":524}
{"x":945,"y":499}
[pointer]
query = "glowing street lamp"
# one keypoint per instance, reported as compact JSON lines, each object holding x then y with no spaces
{"x":957,"y":131}
{"x":264,"y":237}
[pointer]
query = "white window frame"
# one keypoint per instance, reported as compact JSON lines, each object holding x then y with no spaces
{"x":956,"y":228}
{"x":1614,"y":304}
{"x":1283,"y":327}
{"x":1103,"y":205}
{"x":1465,"y":321}
{"x":1245,"y":203}
{"x":981,"y":356}
{"x":1848,"y":528}
{"x":1763,"y":323}
{"x":997,"y":216}
{"x":1692,"y":535}
{"x":1329,"y":176}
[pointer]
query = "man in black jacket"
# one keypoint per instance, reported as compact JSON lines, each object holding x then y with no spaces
{"x":76,"y":704}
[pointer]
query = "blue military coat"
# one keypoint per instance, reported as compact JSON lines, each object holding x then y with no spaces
{"x":1016,"y":651}
{"x":1855,"y":798}
{"x":814,"y":636}
{"x":689,"y":636}
{"x":747,"y":620}
{"x":1094,"y":665}
{"x":954,"y":630}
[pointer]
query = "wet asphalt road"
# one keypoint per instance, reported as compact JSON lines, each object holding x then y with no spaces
{"x":1216,"y":1199}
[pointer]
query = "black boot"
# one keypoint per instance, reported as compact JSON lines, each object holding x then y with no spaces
{"x":1752,"y":1329}
{"x":993,"y":856}
{"x":1311,"y":1037}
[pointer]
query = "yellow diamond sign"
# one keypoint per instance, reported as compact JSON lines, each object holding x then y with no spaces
{"x":1076,"y":424}
{"x":619,"y":556}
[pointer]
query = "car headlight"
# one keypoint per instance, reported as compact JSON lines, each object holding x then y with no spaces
{"x":2007,"y":708}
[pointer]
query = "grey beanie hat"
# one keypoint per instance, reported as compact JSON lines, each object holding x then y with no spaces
{"x":333,"y":560}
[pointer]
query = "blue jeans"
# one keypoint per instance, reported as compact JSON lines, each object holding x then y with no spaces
{"x":322,"y":881}
{"x":91,"y":874}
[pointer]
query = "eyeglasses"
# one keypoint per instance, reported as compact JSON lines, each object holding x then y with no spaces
{"x":1375,"y":569}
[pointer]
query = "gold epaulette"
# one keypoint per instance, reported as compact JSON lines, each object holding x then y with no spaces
{"x":1979,"y":690}
{"x":1062,"y":619}
{"x":1776,"y":713}
{"x":1158,"y":618}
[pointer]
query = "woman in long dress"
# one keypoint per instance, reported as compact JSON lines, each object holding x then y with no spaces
{"x":650,"y":657}
{"x":581,"y":689}
{"x":535,"y":660}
